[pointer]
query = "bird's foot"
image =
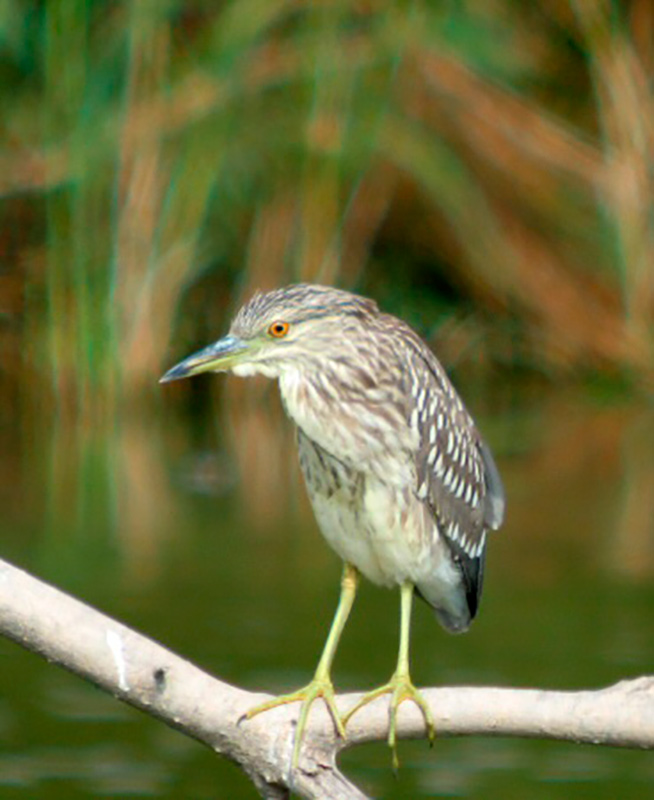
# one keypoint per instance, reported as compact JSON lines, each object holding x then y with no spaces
{"x":320,"y":686}
{"x":401,"y":688}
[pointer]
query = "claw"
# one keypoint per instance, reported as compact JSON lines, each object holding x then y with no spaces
{"x":401,"y":688}
{"x":319,"y":687}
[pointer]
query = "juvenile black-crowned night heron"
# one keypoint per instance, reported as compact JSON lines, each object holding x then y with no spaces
{"x":402,"y":485}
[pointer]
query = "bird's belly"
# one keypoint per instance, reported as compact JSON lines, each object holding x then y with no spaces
{"x":341,"y":525}
{"x":381,"y":528}
{"x":391,"y":542}
{"x":385,"y":533}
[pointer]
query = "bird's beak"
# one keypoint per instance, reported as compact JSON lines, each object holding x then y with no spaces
{"x":217,"y":357}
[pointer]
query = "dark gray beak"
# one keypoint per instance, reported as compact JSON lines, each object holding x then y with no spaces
{"x":217,"y":357}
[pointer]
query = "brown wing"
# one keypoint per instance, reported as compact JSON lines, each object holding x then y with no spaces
{"x":456,"y":474}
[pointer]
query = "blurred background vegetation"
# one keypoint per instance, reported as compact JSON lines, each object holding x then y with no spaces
{"x":483,"y":168}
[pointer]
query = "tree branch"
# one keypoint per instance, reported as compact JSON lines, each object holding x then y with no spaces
{"x":144,"y":674}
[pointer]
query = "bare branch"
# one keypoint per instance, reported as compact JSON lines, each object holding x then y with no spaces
{"x":144,"y":674}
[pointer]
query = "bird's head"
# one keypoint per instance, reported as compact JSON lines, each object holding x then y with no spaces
{"x":293,"y":328}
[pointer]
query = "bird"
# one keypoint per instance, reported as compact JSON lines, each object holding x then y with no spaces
{"x":403,"y":487}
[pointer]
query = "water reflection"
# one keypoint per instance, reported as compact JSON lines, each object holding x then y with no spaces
{"x":199,"y":535}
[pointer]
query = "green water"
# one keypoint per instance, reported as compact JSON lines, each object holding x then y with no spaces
{"x":153,"y":522}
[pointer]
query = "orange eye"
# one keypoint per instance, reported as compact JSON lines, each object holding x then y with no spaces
{"x":278,"y":329}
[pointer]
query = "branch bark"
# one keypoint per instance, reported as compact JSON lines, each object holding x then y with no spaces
{"x":146,"y":675}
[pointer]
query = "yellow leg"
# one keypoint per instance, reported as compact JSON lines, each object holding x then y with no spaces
{"x":400,"y":686}
{"x":321,"y":685}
